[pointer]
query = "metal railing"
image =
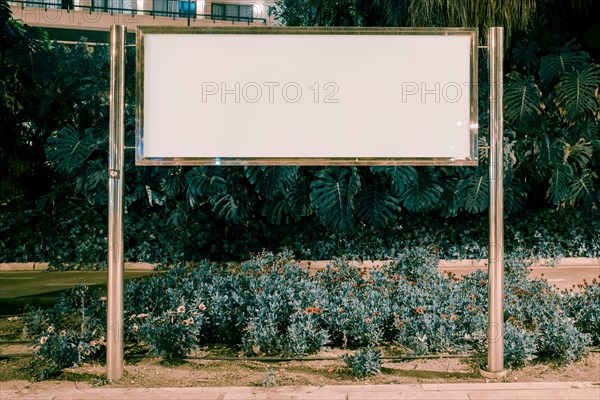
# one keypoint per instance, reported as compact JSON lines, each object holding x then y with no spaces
{"x":172,"y":9}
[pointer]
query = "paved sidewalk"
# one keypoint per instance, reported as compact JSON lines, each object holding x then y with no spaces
{"x":462,"y":391}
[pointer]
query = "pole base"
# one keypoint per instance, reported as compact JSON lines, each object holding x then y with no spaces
{"x":493,"y":375}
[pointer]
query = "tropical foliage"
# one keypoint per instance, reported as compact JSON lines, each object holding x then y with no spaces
{"x":54,"y":117}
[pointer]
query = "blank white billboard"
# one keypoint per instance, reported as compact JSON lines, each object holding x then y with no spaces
{"x":313,"y":96}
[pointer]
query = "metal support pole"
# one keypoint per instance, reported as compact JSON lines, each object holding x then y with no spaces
{"x":114,"y":342}
{"x":496,"y":251}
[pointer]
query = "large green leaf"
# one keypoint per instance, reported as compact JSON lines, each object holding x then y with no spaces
{"x":376,"y":206}
{"x":547,"y":153}
{"x":202,"y":182}
{"x":290,"y":205}
{"x":474,"y":188}
{"x":577,"y":93}
{"x":68,"y":150}
{"x":559,"y":183}
{"x":582,"y":190}
{"x":525,"y":54}
{"x":423,"y":193}
{"x":233,"y":204}
{"x":333,"y":196}
{"x":93,"y":182}
{"x":270,"y":181}
{"x":571,"y":57}
{"x":450,"y":201}
{"x":172,"y":182}
{"x":400,"y":177}
{"x":515,"y":195}
{"x":522,"y":99}
{"x":579,"y":153}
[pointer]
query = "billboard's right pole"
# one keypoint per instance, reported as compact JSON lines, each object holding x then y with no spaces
{"x":495,"y":363}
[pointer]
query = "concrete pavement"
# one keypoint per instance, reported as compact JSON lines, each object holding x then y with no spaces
{"x":460,"y":391}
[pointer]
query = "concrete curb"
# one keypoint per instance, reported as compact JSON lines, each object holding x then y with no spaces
{"x":460,"y":391}
{"x":565,"y":262}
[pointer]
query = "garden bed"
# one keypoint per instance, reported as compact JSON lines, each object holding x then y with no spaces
{"x":270,"y":306}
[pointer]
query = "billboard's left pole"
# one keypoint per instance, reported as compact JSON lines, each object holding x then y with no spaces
{"x":114,"y":334}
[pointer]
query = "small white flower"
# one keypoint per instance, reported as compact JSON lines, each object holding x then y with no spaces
{"x":43,"y":339}
{"x":202,"y":307}
{"x":181,"y":309}
{"x":51,"y":329}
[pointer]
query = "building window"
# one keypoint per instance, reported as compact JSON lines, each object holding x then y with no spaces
{"x":231,"y":12}
{"x":184,"y":5}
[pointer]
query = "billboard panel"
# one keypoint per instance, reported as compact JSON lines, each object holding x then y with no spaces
{"x":306,"y":96}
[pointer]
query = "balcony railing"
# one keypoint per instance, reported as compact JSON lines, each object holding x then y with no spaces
{"x":165,"y":8}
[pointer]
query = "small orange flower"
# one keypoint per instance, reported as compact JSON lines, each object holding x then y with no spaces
{"x":420,"y":310}
{"x":453,"y":317}
{"x":444,"y":316}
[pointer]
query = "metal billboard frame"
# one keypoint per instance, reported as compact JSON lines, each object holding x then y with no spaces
{"x":148,"y":31}
{"x":495,"y":334}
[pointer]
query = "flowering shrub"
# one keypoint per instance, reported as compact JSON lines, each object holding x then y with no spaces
{"x":270,"y":306}
{"x":69,"y":333}
{"x":584,"y":308}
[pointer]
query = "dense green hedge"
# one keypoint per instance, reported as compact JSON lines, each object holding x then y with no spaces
{"x":71,"y":239}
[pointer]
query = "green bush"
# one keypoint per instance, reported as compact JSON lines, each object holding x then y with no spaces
{"x":270,"y":306}
{"x":364,"y":362}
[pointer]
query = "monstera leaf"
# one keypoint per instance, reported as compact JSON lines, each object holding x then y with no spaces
{"x":271,"y":181}
{"x":582,"y":190}
{"x":376,"y":206}
{"x":231,"y":205}
{"x":333,"y":196}
{"x":203,"y":182}
{"x":451,"y":200}
{"x":474,"y":189}
{"x":423,"y":193}
{"x":400,"y":177}
{"x":290,"y":205}
{"x":577,"y":93}
{"x":172,"y":182}
{"x":570,"y":58}
{"x":522,"y":99}
{"x":559,"y":183}
{"x":68,"y":150}
{"x":93,"y":183}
